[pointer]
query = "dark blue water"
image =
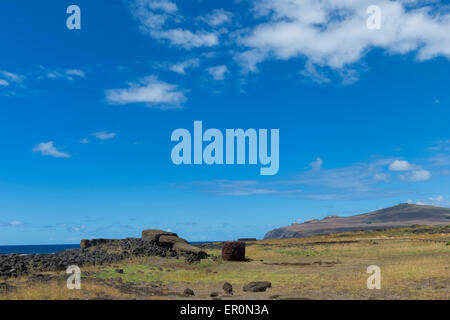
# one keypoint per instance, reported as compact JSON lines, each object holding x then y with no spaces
{"x":49,"y":248}
{"x":35,"y":249}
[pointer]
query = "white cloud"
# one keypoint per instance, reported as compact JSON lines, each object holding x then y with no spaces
{"x":400,"y":165}
{"x":416,"y":175}
{"x":217,"y":17}
{"x":362,"y":180}
{"x":104,"y":135}
{"x":13,"y":224}
{"x":16,"y":223}
{"x":67,"y":74}
{"x":357,"y":177}
{"x":316,"y":164}
{"x":155,"y":16}
{"x":11,"y":77}
{"x":218,"y":72}
{"x":334,"y":33}
{"x":182,"y":66}
{"x":381,"y":177}
{"x":11,"y":81}
{"x":441,"y":145}
{"x":76,"y":72}
{"x":186,"y":38}
{"x":163,"y":5}
{"x":149,"y":91}
{"x":48,"y":149}
{"x":310,"y":71}
{"x":84,"y":141}
{"x":438,"y":201}
{"x":234,"y":188}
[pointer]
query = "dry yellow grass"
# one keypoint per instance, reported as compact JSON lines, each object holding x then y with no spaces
{"x":412,"y":267}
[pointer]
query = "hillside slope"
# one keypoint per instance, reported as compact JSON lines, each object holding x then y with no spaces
{"x":402,"y":215}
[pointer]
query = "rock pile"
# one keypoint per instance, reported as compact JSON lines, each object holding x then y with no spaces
{"x":101,"y":251}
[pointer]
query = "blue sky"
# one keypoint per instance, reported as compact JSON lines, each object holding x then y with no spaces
{"x":86,"y":115}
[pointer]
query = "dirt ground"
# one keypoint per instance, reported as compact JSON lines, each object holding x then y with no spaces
{"x":413,"y":266}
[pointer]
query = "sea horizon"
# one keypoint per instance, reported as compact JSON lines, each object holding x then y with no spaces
{"x":53,"y":248}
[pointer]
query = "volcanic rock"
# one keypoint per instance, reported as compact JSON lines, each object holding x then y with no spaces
{"x":258,"y":286}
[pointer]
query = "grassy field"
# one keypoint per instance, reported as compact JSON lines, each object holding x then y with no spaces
{"x":413,"y":266}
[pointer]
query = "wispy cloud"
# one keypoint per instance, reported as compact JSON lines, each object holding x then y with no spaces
{"x":218,"y":72}
{"x":149,"y":91}
{"x":10,"y":82}
{"x":310,"y":71}
{"x":217,"y":17}
{"x":362,"y":180}
{"x":441,"y":145}
{"x":103,"y":135}
{"x":438,"y":201}
{"x":234,"y":188}
{"x":11,"y":77}
{"x":14,"y":223}
{"x":181,"y":67}
{"x":67,"y":74}
{"x":48,"y":149}
{"x":159,"y":19}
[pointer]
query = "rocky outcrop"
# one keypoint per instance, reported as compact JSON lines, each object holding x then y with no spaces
{"x":281,"y":233}
{"x":99,"y":252}
{"x":233,"y":251}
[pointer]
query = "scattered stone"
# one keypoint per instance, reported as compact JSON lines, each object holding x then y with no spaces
{"x":189,"y":292}
{"x":257,"y":286}
{"x":227,"y":288}
{"x":233,"y":251}
{"x":214,"y":294}
{"x":275,"y":296}
{"x":119,"y":271}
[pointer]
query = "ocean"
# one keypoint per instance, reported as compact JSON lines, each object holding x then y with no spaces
{"x":50,"y":248}
{"x":37,"y":249}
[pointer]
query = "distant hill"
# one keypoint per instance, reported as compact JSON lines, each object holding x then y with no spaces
{"x":402,"y":215}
